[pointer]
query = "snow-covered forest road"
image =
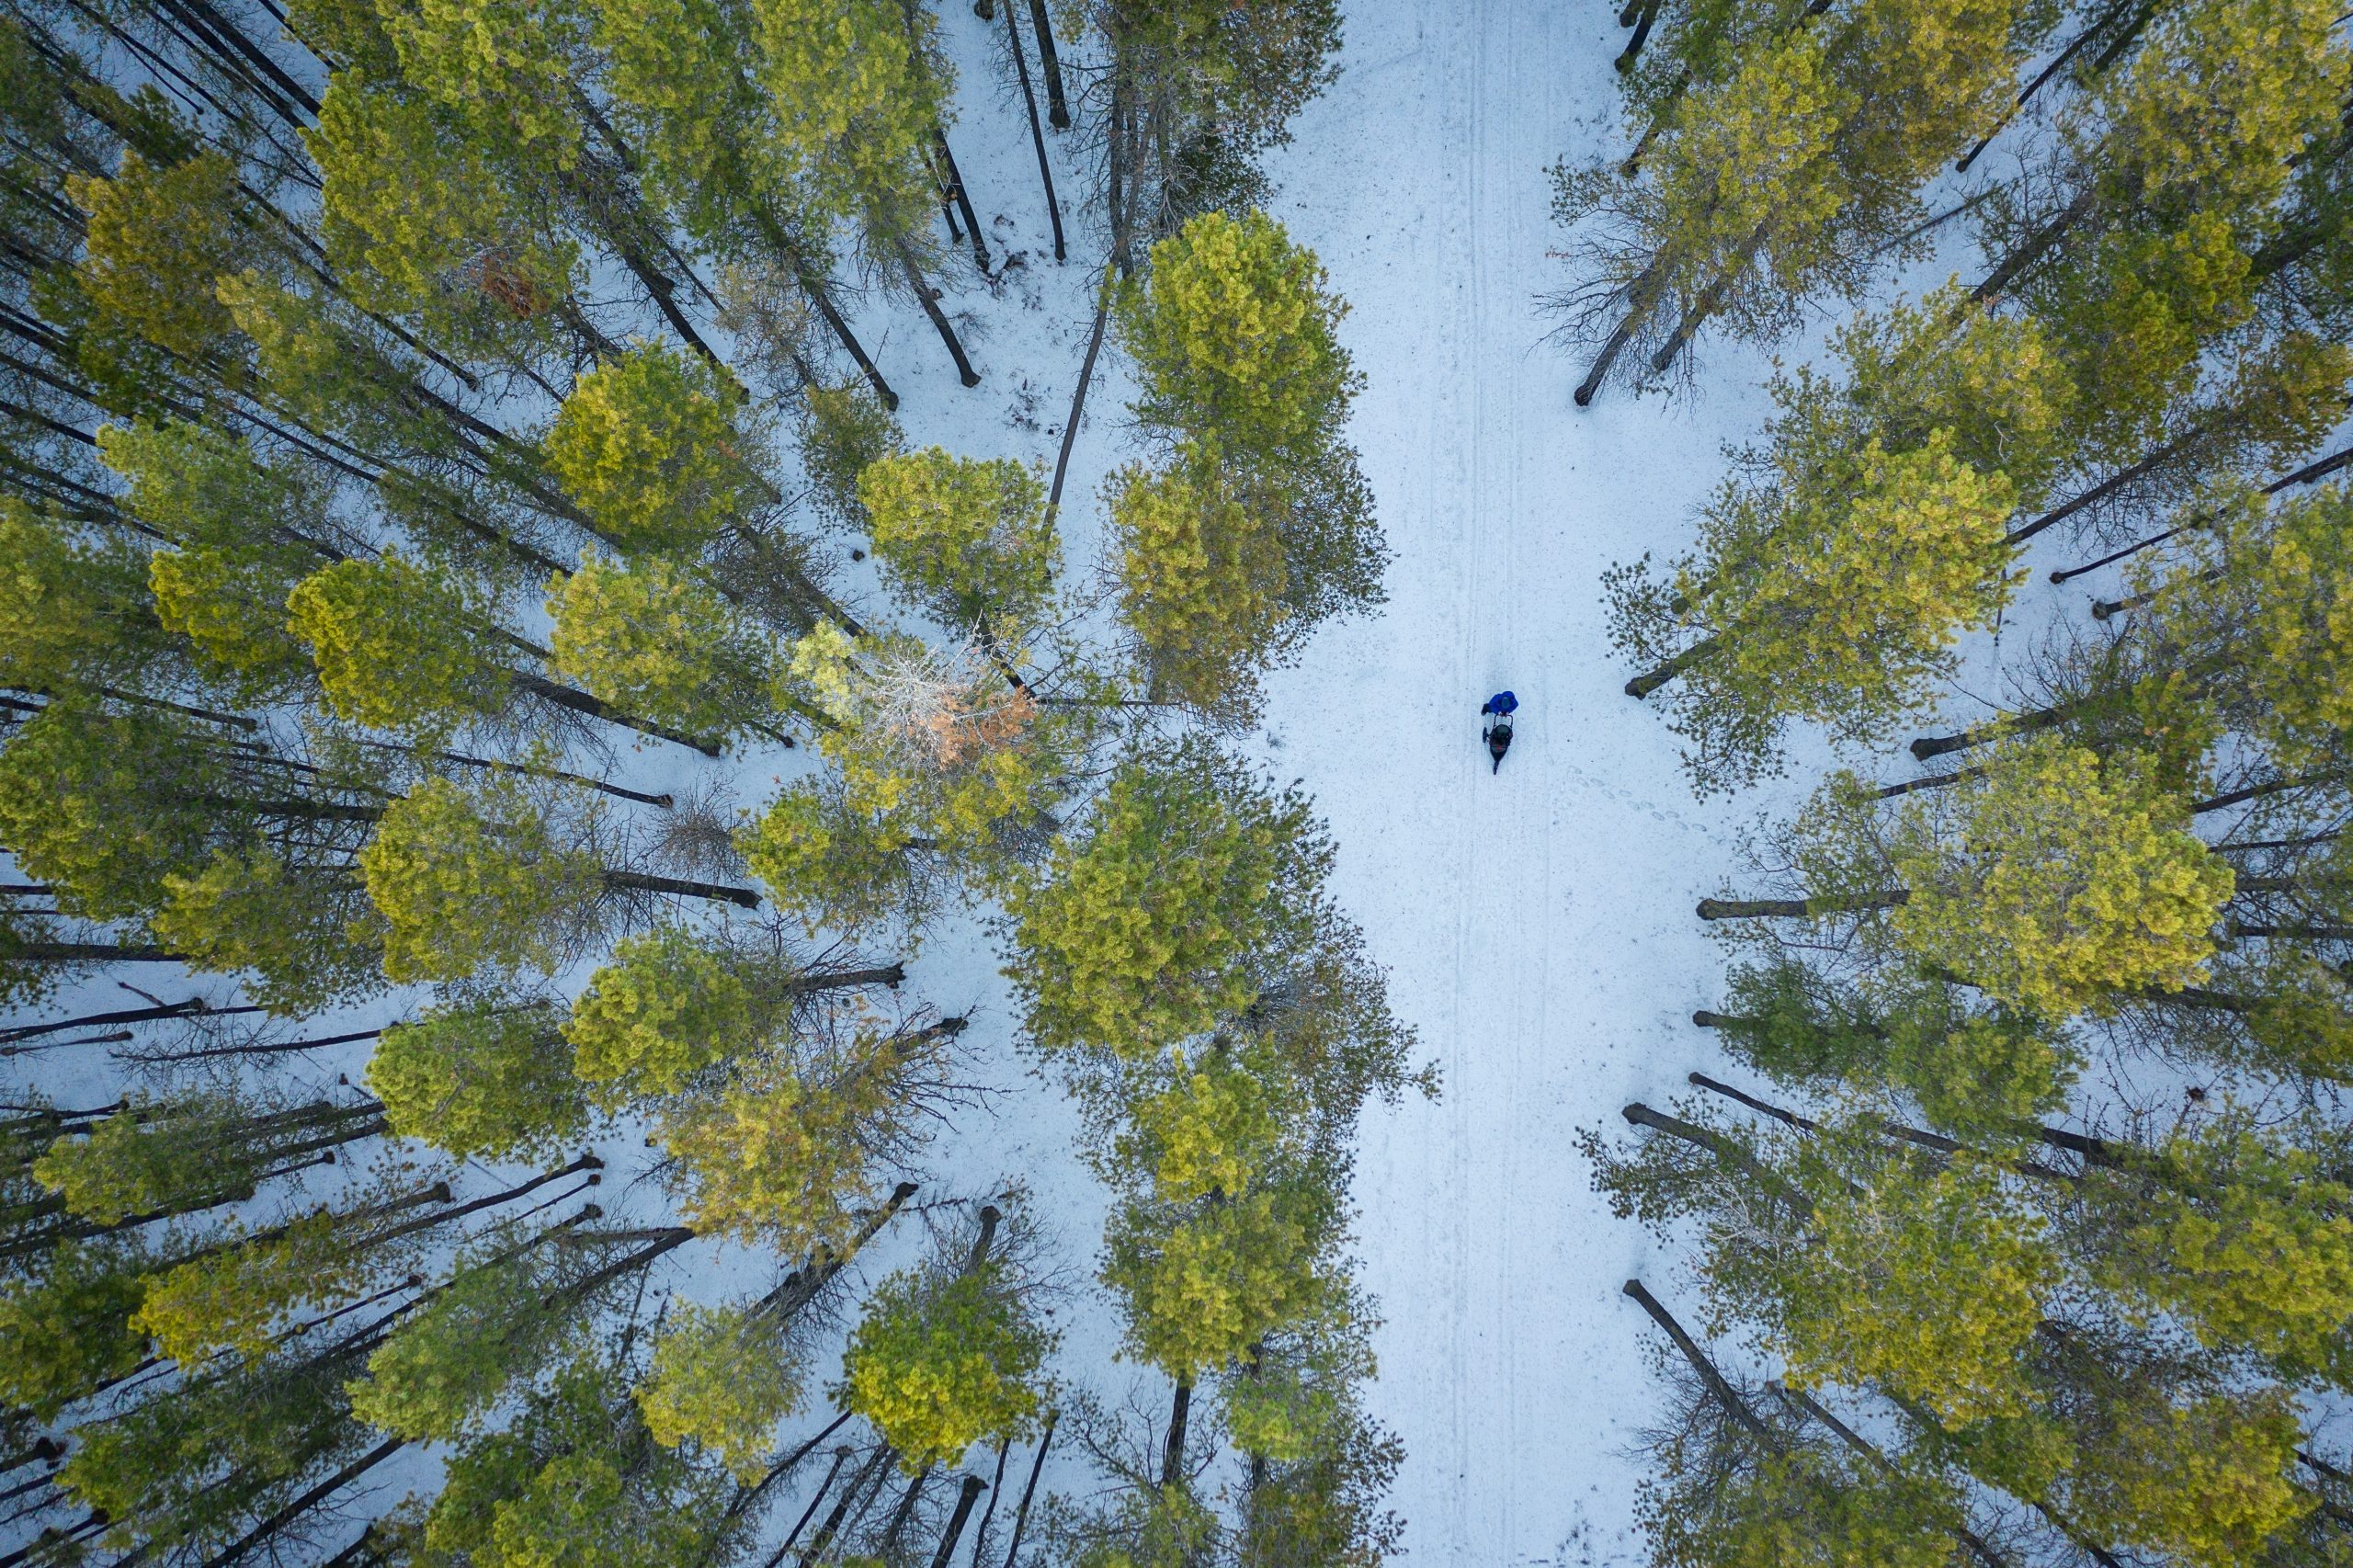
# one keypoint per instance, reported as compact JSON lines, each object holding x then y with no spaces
{"x":1537,"y":922}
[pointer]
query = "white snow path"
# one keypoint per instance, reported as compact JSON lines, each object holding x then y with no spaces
{"x":1537,"y":923}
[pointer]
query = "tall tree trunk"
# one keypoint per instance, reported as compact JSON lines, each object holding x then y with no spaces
{"x":1078,"y":398}
{"x":195,"y":1007}
{"x":1725,"y":1397}
{"x":2041,"y":79}
{"x":2032,"y":249}
{"x":1642,"y":23}
{"x":1045,"y":174}
{"x":1021,"y":1515}
{"x":929,"y":297}
{"x":841,"y":1457}
{"x":581,"y":702}
{"x":474,"y":1206}
{"x":1984,"y":1553}
{"x":639,"y":882}
{"x":2110,"y":486}
{"x":1612,"y":348}
{"x":1058,"y":106}
{"x":1642,"y":685}
{"x":2310,"y":472}
{"x":989,"y":1220}
{"x":263,"y":1048}
{"x":1799,"y":908}
{"x":2258,"y":791}
{"x":117,"y":1037}
{"x":1932,"y":781}
{"x":1172,"y":1455}
{"x":1895,"y":1130}
{"x":306,"y":1502}
{"x":961,"y":197}
{"x":802,"y":1285}
{"x":997,"y":1482}
{"x":1710,"y":300}
{"x":899,"y":1516}
{"x":617,"y":792}
{"x":974,"y":1487}
{"x":1926,"y":747}
{"x":1716,"y":1143}
{"x":822,"y":296}
{"x":857,"y":1481}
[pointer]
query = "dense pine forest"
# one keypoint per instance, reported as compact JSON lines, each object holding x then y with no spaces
{"x":501,"y":701}
{"x":421,"y":418}
{"x":2024,"y":1231}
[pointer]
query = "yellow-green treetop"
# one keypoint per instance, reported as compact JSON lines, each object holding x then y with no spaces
{"x":1202,"y":578}
{"x":1201,"y":1289}
{"x":856,"y":88}
{"x":793,"y":1147}
{"x":479,"y":1079}
{"x":473,"y":878}
{"x":69,"y":611}
{"x":2056,"y":879}
{"x":720,"y":1377}
{"x":158,"y":240}
{"x":652,"y":638}
{"x":1234,"y":334}
{"x":1930,"y":1282}
{"x":938,"y":1365}
{"x":1136,"y":934}
{"x":967,"y":537}
{"x":664,"y":1007}
{"x":410,"y":204}
{"x":396,"y":644}
{"x":647,"y":445}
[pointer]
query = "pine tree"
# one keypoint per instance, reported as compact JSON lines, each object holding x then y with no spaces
{"x":648,"y":447}
{"x":236,"y":1294}
{"x":650,"y":638}
{"x":67,"y":1320}
{"x":469,"y":879}
{"x":797,"y":1141}
{"x":1261,"y":525}
{"x":948,"y":1354}
{"x":2162,"y":161}
{"x":1972,"y":1072}
{"x":1835,"y":573}
{"x":1136,"y":936}
{"x":576,"y":1479}
{"x":1785,"y":174}
{"x":397,"y":646}
{"x":479,"y":1078}
{"x":1203,"y":580}
{"x":501,"y":1318}
{"x":722,"y":1377}
{"x":2053,"y":880}
{"x":968,"y":539}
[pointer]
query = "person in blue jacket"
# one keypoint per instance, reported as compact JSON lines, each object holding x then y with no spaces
{"x":1497,"y":710}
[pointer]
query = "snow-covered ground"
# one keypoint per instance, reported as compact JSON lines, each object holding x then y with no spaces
{"x":1537,"y":922}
